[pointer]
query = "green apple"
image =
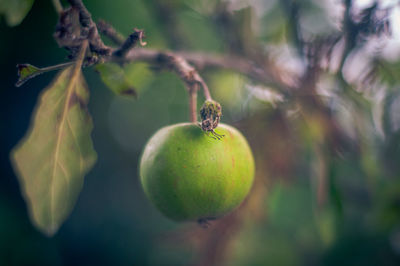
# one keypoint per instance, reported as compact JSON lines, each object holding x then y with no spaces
{"x":190,"y":175}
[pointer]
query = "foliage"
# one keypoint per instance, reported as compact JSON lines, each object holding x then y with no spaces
{"x":53,"y":158}
{"x":115,"y":78}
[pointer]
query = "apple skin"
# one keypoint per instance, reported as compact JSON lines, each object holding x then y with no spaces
{"x":189,"y":175}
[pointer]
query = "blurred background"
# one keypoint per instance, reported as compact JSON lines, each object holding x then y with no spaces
{"x":327,"y":188}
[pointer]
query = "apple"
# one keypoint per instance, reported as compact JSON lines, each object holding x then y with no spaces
{"x":189,"y":175}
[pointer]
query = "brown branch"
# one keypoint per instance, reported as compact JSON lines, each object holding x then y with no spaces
{"x":172,"y":61}
{"x":129,"y":43}
{"x":109,"y":31}
{"x":176,"y":63}
{"x":272,"y":76}
{"x":164,"y":59}
{"x":263,"y":69}
{"x":185,"y":71}
{"x":193,"y":104}
{"x":268,"y":74}
{"x":189,"y":75}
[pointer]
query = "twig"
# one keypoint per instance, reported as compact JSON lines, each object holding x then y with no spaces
{"x":184,"y":70}
{"x":172,"y":61}
{"x":109,"y":31}
{"x":193,"y":103}
{"x":273,"y":76}
{"x":189,"y":75}
{"x":268,"y":74}
{"x":168,"y":60}
{"x":130,"y":42}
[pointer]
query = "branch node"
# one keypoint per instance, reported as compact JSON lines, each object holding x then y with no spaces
{"x":130,"y":42}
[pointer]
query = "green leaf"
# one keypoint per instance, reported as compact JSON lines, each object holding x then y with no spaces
{"x":57,"y":152}
{"x":139,"y":74}
{"x":115,"y":78}
{"x":15,"y":10}
{"x":26,"y":72}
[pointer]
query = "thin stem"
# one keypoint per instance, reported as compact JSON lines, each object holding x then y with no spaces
{"x":193,"y":104}
{"x":56,"y":67}
{"x":33,"y":71}
{"x":109,"y":31}
{"x":270,"y":75}
{"x":130,"y":42}
{"x":57,"y":6}
{"x":206,"y":91}
{"x":180,"y":66}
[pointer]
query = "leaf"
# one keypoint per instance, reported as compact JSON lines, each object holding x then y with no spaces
{"x":115,"y":78}
{"x":57,"y":151}
{"x":138,"y":73}
{"x":15,"y":10}
{"x":26,"y":72}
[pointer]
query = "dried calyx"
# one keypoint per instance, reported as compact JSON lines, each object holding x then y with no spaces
{"x":210,"y":114}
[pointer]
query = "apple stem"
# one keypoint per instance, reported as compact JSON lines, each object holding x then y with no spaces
{"x":193,"y":103}
{"x":206,"y":91}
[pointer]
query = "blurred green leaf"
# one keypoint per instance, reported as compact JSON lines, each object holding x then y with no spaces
{"x":15,"y":10}
{"x":116,"y":80}
{"x":227,"y":88}
{"x":138,"y":74}
{"x":54,"y":156}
